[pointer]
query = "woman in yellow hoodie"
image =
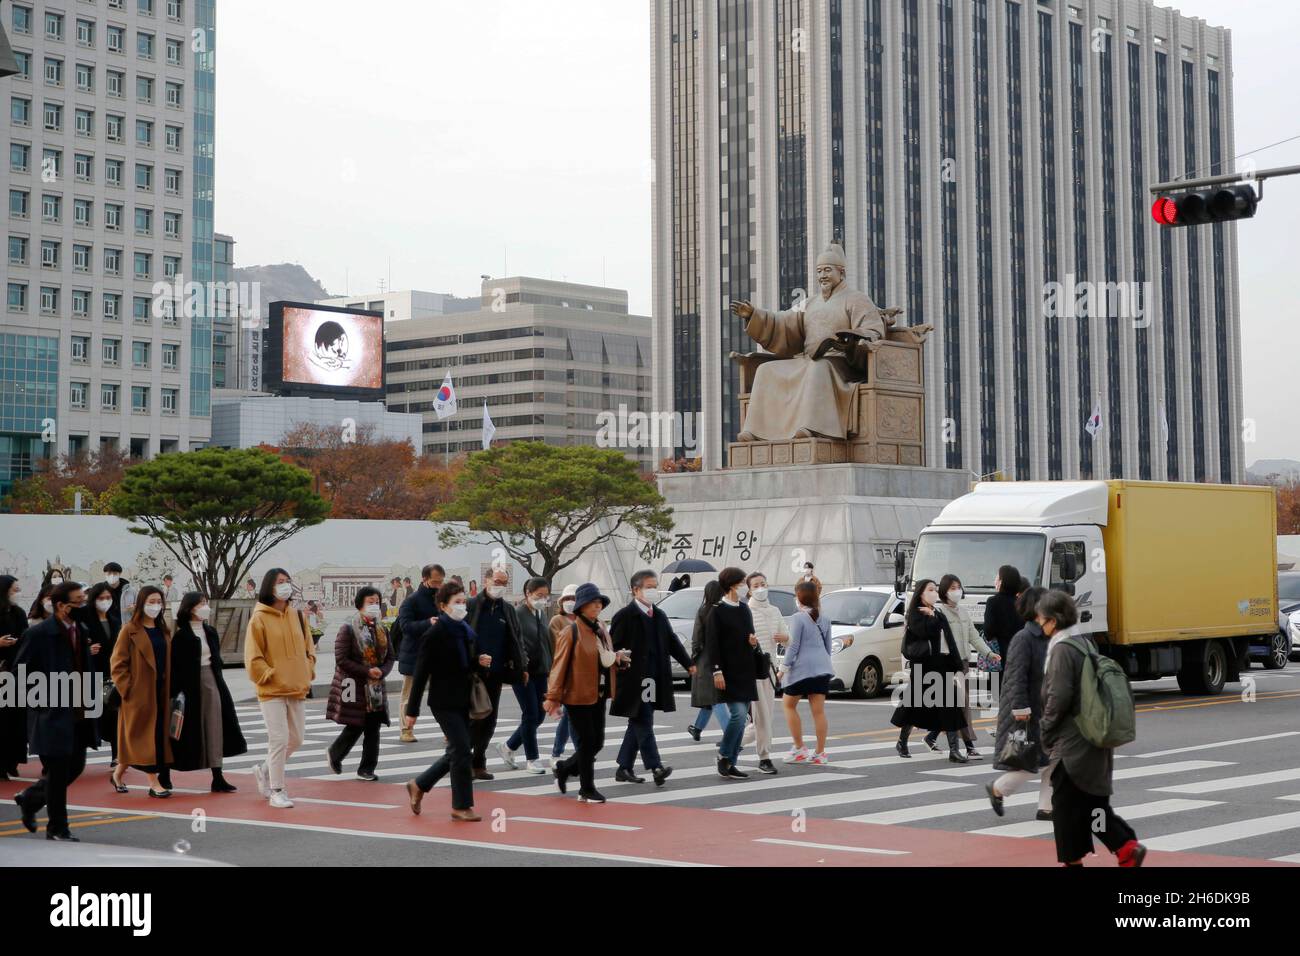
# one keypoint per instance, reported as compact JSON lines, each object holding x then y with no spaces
{"x":280,"y":659}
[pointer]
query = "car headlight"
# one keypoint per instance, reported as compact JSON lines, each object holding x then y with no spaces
{"x":839,"y":643}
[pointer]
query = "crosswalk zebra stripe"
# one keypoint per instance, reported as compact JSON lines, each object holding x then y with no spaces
{"x":1137,"y":811}
{"x":1234,"y":783}
{"x":1225,"y":832}
{"x":845,"y":797}
{"x":737,"y":786}
{"x":1220,"y":743}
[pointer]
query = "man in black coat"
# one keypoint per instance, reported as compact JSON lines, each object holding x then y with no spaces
{"x":62,"y":725}
{"x":415,"y":620}
{"x":123,"y":593}
{"x":497,"y":633}
{"x":647,"y":685}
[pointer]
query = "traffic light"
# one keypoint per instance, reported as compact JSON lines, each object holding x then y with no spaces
{"x":1225,"y":204}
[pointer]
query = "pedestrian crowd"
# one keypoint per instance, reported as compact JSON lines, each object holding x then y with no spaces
{"x":166,"y":706}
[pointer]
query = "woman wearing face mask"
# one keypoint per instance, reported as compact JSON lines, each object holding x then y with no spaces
{"x":141,"y":665}
{"x":41,"y":608}
{"x":561,"y":622}
{"x":280,"y":659}
{"x":930,"y":698}
{"x":770,"y":629}
{"x":13,"y":720}
{"x":363,"y":656}
{"x":730,"y":644}
{"x":582,"y":679}
{"x":104,"y":623}
{"x":448,"y":662}
{"x":1021,"y":706}
{"x":211,"y":728}
{"x":53,"y":577}
{"x":1001,"y":622}
{"x":966,"y":637}
{"x":703,"y":694}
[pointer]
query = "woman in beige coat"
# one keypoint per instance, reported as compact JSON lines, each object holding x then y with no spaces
{"x":141,"y":670}
{"x":966,"y":636}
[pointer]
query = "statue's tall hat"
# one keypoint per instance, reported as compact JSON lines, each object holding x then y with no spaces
{"x":833,"y":255}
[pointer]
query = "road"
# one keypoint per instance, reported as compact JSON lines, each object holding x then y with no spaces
{"x":1209,"y":781}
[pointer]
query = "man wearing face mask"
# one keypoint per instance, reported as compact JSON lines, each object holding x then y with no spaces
{"x":531,"y":612}
{"x":496,"y":626}
{"x":59,"y":735}
{"x":119,"y":587}
{"x":646,"y":686}
{"x":415,"y":619}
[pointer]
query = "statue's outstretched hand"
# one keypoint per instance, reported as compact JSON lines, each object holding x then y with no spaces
{"x":743,"y":309}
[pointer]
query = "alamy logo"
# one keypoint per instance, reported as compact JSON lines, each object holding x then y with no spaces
{"x":76,"y":909}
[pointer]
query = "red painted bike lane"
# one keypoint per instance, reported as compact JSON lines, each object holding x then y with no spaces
{"x":559,"y":825}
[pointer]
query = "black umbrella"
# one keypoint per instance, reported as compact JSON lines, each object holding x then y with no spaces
{"x":688,"y":565}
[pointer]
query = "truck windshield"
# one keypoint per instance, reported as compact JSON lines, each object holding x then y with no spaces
{"x":975,"y":556}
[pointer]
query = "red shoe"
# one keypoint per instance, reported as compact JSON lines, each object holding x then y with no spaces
{"x":1131,"y":854}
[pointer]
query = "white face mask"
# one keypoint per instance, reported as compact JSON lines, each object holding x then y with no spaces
{"x":538,"y":603}
{"x":103,"y":604}
{"x":151,"y":611}
{"x":650,"y":596}
{"x":567,"y":606}
{"x":112,"y":580}
{"x":495,"y":591}
{"x":203,"y":612}
{"x":48,"y":606}
{"x":928,"y":597}
{"x":56,"y":580}
{"x":954,"y":595}
{"x":760,"y":594}
{"x":742,"y":592}
{"x":371,"y":611}
{"x":284,"y":591}
{"x":457,"y":611}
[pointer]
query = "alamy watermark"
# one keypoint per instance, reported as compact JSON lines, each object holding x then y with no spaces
{"x":625,"y":429}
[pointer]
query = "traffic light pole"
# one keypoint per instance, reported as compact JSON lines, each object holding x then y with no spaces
{"x":1258,"y":176}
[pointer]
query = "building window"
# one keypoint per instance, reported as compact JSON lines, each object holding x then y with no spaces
{"x":112,"y":306}
{"x":172,"y":182}
{"x":53,"y":71}
{"x":144,"y":89}
{"x":83,"y":167}
{"x":49,"y":300}
{"x":115,"y":83}
{"x":20,"y":111}
{"x":174,"y":55}
{"x":108,"y":396}
{"x":80,"y":349}
{"x":22,"y":21}
{"x":112,"y":217}
{"x":174,"y":10}
{"x":112,"y":261}
{"x":85,"y":78}
{"x":175,"y":95}
{"x":51,"y":208}
{"x":83,"y":212}
{"x":144,"y":45}
{"x":77,"y":394}
{"x":170,"y":356}
{"x":139,"y":354}
{"x":144,"y":133}
{"x":17,"y":297}
{"x":86,"y":33}
{"x":24,"y":63}
{"x":49,"y":254}
{"x":170,"y":401}
{"x":18,"y":250}
{"x":171,"y":266}
{"x":19,"y":204}
{"x":113,"y":172}
{"x":172,"y":225}
{"x":140,"y":309}
{"x":143,"y":265}
{"x":80,"y":303}
{"x":54,"y":117}
{"x":19,"y":157}
{"x":53,"y":26}
{"x":51,"y":165}
{"x":144,"y":177}
{"x":173,"y":140}
{"x":143,"y":221}
{"x":85,"y":122}
{"x":145,"y":7}
{"x":140,"y":399}
{"x":116,"y":39}
{"x":81,"y":257}
{"x":110,"y":351}
{"x":113,"y":127}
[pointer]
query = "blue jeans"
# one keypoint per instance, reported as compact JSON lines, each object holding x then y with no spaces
{"x":734,"y":730}
{"x":563,"y":732}
{"x":640,"y":736}
{"x":702,"y":718}
{"x":530,"y":704}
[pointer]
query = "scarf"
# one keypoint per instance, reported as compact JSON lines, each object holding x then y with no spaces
{"x":373,"y":644}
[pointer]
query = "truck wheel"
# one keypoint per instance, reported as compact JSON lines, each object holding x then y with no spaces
{"x":1279,"y":651}
{"x":869,"y":681}
{"x":1207,"y":674}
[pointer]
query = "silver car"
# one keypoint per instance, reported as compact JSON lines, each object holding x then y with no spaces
{"x":682,"y":606}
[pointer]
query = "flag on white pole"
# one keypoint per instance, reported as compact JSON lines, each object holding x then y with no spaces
{"x":444,"y":403}
{"x":488,"y":428}
{"x":1164,"y":424}
{"x":1094,"y":420}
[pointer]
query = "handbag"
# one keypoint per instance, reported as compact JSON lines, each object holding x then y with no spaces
{"x":762,"y":664}
{"x":177,"y":721}
{"x":1021,"y":751}
{"x":480,"y":702}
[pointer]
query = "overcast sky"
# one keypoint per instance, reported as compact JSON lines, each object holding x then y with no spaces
{"x":434,"y":141}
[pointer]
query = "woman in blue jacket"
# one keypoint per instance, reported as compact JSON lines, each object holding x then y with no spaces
{"x":806,"y":672}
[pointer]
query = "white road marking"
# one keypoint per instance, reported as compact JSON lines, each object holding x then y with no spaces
{"x":1225,"y":832}
{"x":571,"y":823}
{"x":1234,"y":783}
{"x":1221,"y":743}
{"x":1138,"y":811}
{"x":832,"y":846}
{"x":845,"y":797}
{"x":737,"y":787}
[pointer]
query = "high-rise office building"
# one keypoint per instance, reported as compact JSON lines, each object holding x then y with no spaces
{"x":985,"y":164}
{"x":108,"y":174}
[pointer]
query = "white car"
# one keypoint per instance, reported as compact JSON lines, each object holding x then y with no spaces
{"x":866,"y":638}
{"x":681,"y":607}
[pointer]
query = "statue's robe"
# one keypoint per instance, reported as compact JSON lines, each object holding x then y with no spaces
{"x":798,"y":391}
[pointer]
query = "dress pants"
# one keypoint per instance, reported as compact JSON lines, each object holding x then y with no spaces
{"x":347,"y":738}
{"x":481,"y":731}
{"x":640,"y":736}
{"x":455,"y":725}
{"x":285,"y":720}
{"x":51,"y":791}
{"x":1077,"y":815}
{"x":587,"y":722}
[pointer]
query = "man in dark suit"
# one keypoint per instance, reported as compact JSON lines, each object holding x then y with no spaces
{"x":415,"y":619}
{"x":496,"y":628}
{"x":59,"y":728}
{"x":647,"y":685}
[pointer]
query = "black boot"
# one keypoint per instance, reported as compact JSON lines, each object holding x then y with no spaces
{"x":219,"y":782}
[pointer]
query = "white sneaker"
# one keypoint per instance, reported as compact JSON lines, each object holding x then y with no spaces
{"x":797,"y":756}
{"x":280,"y":800}
{"x":820,"y":760}
{"x":508,"y":756}
{"x":535,"y":766}
{"x":259,"y":774}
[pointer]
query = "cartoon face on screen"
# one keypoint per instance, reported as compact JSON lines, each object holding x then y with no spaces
{"x":331,"y":348}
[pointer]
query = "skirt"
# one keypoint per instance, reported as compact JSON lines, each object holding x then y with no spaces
{"x":808,"y":686}
{"x":210,"y":710}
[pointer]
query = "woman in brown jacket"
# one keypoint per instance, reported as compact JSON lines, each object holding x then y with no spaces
{"x":363,"y":656}
{"x":141,"y":669}
{"x":582,"y":679}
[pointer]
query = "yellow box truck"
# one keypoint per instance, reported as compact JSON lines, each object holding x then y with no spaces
{"x":1170,"y":578}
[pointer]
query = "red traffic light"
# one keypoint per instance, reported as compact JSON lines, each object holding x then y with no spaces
{"x":1165,"y":211}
